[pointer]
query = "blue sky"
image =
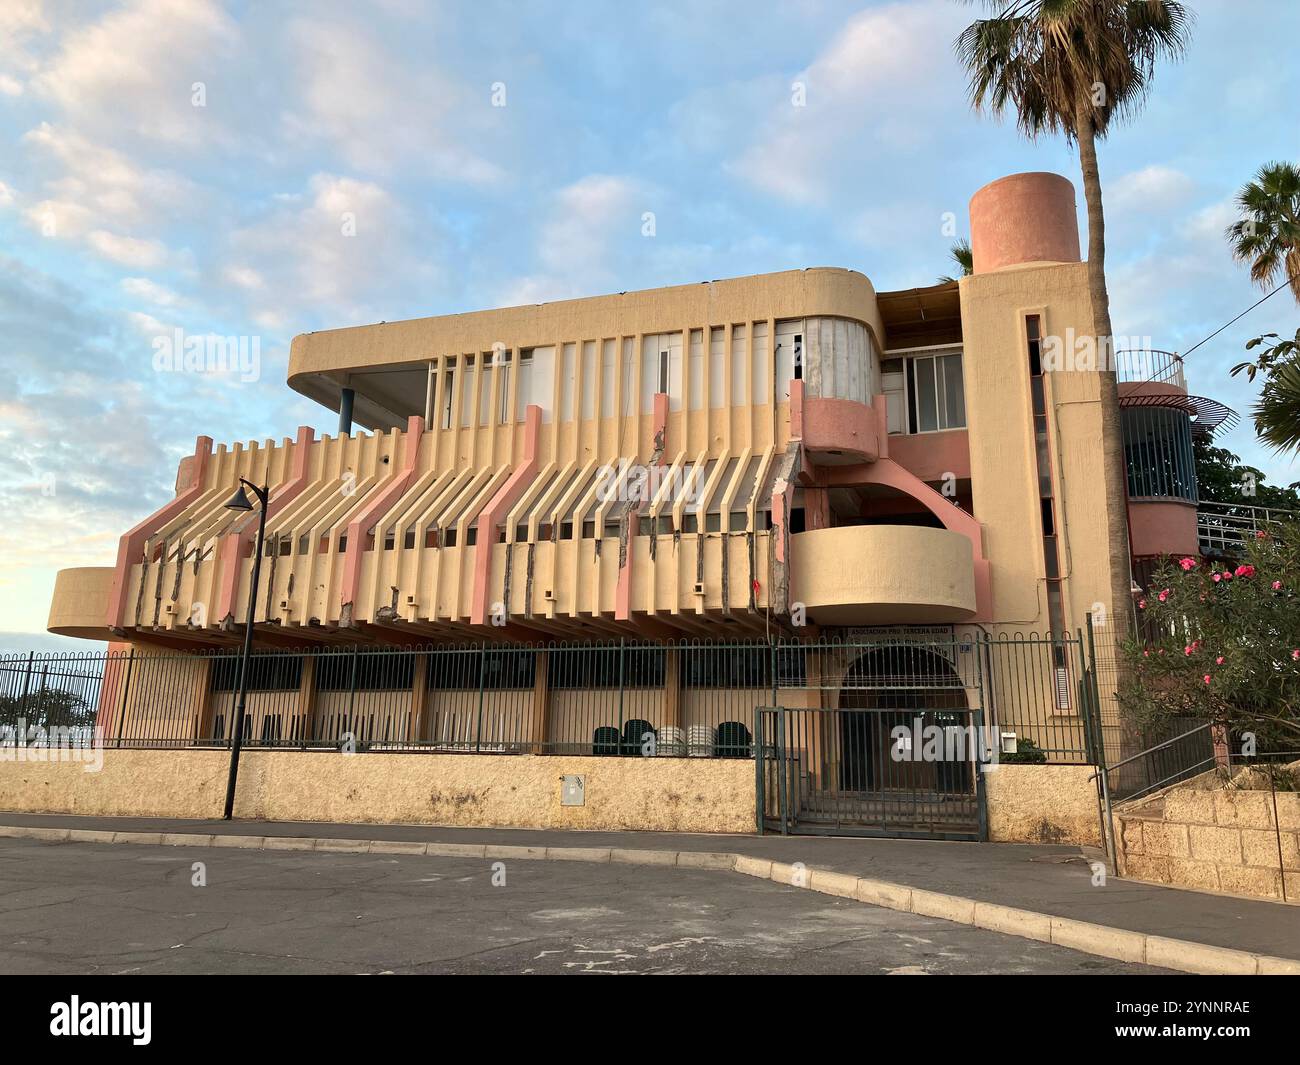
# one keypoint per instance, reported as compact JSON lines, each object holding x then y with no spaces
{"x":127,"y":211}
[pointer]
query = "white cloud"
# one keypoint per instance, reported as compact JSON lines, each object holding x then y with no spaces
{"x":879,"y":88}
{"x":586,"y":221}
{"x":151,"y":292}
{"x":108,"y":183}
{"x":59,"y":219}
{"x":20,"y":21}
{"x":380,"y":112}
{"x":243,"y":277}
{"x":335,"y":251}
{"x":134,"y":68}
{"x":1153,"y":188}
{"x":129,"y":251}
{"x":99,"y":192}
{"x":1209,"y":223}
{"x":6,"y":195}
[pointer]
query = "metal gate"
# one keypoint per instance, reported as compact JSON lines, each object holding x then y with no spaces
{"x":896,"y":754}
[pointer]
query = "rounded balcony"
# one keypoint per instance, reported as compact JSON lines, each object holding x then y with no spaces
{"x":883,"y":575}
{"x":79,"y":606}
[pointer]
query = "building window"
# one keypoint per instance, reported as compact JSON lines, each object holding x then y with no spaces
{"x":1047,"y":499}
{"x":448,"y":390}
{"x":366,"y":671}
{"x":936,"y":396}
{"x":727,"y":667}
{"x":1158,"y":453}
{"x":580,"y":668}
{"x":265,"y":673}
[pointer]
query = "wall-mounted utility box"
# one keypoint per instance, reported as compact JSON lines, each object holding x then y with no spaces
{"x":573,"y":790}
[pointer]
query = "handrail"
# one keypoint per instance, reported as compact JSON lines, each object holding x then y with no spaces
{"x":1151,"y":750}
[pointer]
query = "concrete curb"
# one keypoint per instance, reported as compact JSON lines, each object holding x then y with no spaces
{"x":1102,"y":940}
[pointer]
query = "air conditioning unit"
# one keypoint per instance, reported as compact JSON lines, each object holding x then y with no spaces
{"x":1010,"y":743}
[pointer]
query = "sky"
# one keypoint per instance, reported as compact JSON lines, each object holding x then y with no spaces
{"x":260,"y":170}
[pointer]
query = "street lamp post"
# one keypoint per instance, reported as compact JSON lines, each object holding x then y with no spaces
{"x":239,"y":501}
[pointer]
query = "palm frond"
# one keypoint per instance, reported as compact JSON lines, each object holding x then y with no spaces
{"x":1277,"y":412}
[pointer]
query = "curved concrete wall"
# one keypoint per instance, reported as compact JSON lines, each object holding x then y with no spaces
{"x":1162,"y":527}
{"x":878,"y":574}
{"x":1024,"y":218}
{"x":79,"y":605}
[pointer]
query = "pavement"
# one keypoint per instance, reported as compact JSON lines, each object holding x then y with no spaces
{"x":1058,"y":881}
{"x":116,"y":909}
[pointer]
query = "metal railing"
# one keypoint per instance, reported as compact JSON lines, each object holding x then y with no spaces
{"x":687,"y":699}
{"x":1223,"y":527}
{"x":1134,"y":365}
{"x":1187,"y":753}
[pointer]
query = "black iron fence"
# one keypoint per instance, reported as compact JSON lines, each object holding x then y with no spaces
{"x":692,"y":700}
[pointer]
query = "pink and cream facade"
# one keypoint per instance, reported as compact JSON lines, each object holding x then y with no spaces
{"x":789,"y":453}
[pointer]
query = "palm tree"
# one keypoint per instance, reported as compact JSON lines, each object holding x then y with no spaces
{"x":1277,"y":411}
{"x":1072,"y":67}
{"x":961,"y":255}
{"x":1268,"y":237}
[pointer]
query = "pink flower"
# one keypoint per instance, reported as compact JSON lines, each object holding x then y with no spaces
{"x":1227,"y":576}
{"x":1146,"y":653}
{"x":1187,"y":563}
{"x":1260,"y":534}
{"x":1207,"y":678}
{"x":1295,"y":655}
{"x":1188,"y":649}
{"x":1217,"y":577}
{"x":1277,"y":586}
{"x":1219,"y":661}
{"x":1245,"y":571}
{"x":1163,"y":595}
{"x":1142,"y":604}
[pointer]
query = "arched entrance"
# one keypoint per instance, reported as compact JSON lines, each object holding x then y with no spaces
{"x":907,"y":685}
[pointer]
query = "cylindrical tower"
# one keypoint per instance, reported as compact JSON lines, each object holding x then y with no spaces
{"x":1023,"y":218}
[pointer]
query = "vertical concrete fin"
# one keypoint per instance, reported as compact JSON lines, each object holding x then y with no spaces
{"x":497,"y":508}
{"x":131,"y":545}
{"x":231,"y":551}
{"x":381,"y":501}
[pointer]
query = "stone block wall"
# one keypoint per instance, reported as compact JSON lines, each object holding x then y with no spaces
{"x":1220,"y":840}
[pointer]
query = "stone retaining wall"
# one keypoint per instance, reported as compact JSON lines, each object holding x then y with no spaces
{"x":1221,"y":840}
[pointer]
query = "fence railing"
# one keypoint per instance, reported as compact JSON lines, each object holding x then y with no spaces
{"x":692,"y":700}
{"x":1223,"y":527}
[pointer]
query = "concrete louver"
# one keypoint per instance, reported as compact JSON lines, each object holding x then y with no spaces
{"x":373,"y":529}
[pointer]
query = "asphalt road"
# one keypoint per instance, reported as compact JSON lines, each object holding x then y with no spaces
{"x":116,"y":909}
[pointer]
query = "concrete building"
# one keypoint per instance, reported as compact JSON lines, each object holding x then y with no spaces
{"x":786,"y":456}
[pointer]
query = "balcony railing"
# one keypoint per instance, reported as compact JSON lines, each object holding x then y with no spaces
{"x":1225,"y":526}
{"x":1135,"y":365}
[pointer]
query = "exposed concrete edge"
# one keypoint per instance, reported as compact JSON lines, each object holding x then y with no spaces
{"x":1102,"y":940}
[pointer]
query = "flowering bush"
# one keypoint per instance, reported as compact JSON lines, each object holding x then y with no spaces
{"x":1221,"y":641}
